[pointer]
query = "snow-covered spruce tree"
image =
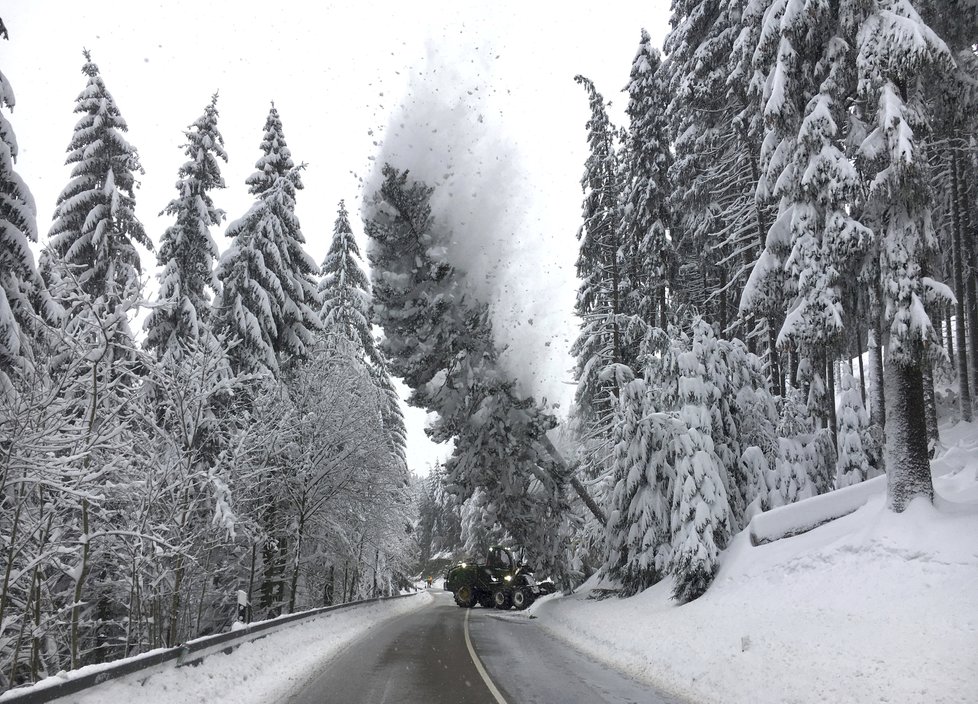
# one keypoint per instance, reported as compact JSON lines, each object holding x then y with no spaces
{"x":893,"y":47}
{"x":953,"y":99}
{"x":439,"y":529}
{"x":345,"y":314}
{"x":268,"y":306}
{"x":853,"y":465}
{"x":91,"y":257}
{"x":718,"y":224}
{"x":744,"y":416}
{"x":344,"y":289}
{"x":188,"y":252}
{"x":699,"y":522}
{"x":20,"y":284}
{"x":648,"y":256}
{"x":806,"y":98}
{"x":441,"y":343}
{"x":638,"y":532}
{"x":795,"y":460}
{"x":601,"y":298}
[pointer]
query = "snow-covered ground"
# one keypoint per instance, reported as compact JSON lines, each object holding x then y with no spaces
{"x":265,"y":670}
{"x":872,"y":607}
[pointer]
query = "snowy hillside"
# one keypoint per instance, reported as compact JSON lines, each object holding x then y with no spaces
{"x":872,"y":607}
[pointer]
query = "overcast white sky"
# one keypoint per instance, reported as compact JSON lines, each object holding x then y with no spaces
{"x":477,"y":97}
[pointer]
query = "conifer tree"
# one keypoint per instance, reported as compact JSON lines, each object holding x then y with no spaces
{"x":795,"y":460}
{"x":344,"y":289}
{"x":188,"y":251}
{"x":893,"y":45}
{"x":806,"y":97}
{"x":644,"y":470}
{"x":648,"y":256}
{"x":20,"y":284}
{"x":853,"y":465}
{"x":345,"y":315}
{"x":953,"y":147}
{"x":441,"y":343}
{"x":95,"y":230}
{"x":718,"y":225}
{"x":700,"y":521}
{"x":601,"y":298}
{"x":268,"y":305}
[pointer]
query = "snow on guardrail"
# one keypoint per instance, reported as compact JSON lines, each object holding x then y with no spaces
{"x":786,"y":521}
{"x":68,"y":683}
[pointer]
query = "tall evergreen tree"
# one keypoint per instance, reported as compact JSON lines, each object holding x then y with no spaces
{"x":638,"y":535}
{"x":188,"y":252}
{"x":700,"y":519}
{"x":953,"y":99}
{"x":810,"y":77}
{"x":647,"y":250}
{"x":853,"y":465}
{"x":345,"y":315}
{"x":718,"y":226}
{"x":20,"y":284}
{"x":268,"y":305}
{"x":441,"y":343}
{"x":601,"y":297}
{"x":344,"y":289}
{"x":893,"y":45}
{"x":95,"y":229}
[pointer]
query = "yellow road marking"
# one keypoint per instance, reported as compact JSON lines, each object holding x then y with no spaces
{"x":478,"y":663}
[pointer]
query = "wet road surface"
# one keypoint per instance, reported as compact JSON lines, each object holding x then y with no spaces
{"x":423,"y":657}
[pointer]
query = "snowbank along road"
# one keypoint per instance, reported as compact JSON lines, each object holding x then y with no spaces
{"x":444,"y":654}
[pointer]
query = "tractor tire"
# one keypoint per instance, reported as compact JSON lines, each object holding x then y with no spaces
{"x":484,"y":599}
{"x":522,"y":598}
{"x":502,"y":599}
{"x":465,"y":596}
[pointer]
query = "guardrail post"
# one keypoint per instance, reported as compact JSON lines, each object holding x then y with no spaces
{"x":244,"y":607}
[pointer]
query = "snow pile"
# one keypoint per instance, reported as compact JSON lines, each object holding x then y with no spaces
{"x":266,"y":670}
{"x":871,"y":607}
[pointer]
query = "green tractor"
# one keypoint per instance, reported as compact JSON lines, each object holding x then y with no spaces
{"x":500,"y":582}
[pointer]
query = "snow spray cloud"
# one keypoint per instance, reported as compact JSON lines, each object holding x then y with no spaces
{"x":449,"y":131}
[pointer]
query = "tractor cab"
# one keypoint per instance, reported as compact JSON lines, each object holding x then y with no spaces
{"x":499,"y":558}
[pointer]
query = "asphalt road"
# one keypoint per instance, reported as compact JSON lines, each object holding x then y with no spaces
{"x":424,"y":657}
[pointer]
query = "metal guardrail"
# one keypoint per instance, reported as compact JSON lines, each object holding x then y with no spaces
{"x":187,"y":653}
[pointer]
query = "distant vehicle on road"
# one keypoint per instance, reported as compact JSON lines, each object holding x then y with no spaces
{"x":500,"y":582}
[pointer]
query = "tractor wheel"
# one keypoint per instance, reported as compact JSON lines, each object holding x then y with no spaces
{"x":465,"y":597}
{"x":522,"y":598}
{"x":502,"y":599}
{"x":484,"y":599}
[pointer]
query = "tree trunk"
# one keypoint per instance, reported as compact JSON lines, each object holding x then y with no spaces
{"x":907,"y":465}
{"x":328,"y":588}
{"x":859,"y":356}
{"x":930,"y":405}
{"x":663,"y":318}
{"x":298,"y":558}
{"x":830,"y":399}
{"x":376,"y":567}
{"x":251,"y":575}
{"x":957,"y":253}
{"x":877,"y":396}
{"x":948,"y":333}
{"x":175,"y":602}
{"x":559,"y":467}
{"x":79,"y":585}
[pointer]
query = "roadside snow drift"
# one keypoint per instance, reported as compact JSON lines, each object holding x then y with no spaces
{"x":263,"y":671}
{"x":872,"y":607}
